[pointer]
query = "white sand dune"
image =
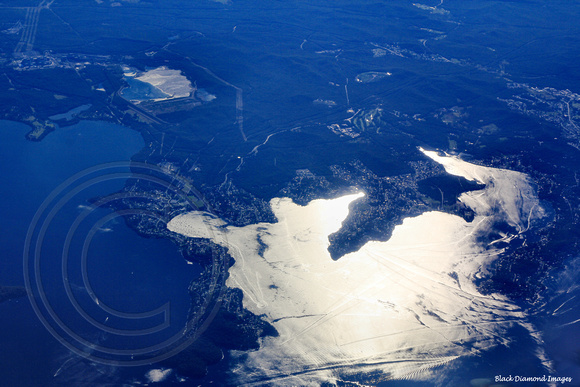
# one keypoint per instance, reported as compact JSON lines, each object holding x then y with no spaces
{"x":158,"y":375}
{"x":399,"y":307}
{"x":171,"y":82}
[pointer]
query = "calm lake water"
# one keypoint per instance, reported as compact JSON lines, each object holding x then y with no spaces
{"x":127,"y":272}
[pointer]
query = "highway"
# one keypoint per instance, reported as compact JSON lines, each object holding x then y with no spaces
{"x":32,"y":17}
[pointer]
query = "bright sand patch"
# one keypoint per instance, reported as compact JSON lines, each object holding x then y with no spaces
{"x":171,"y":82}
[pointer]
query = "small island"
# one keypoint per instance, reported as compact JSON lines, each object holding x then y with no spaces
{"x":40,"y":128}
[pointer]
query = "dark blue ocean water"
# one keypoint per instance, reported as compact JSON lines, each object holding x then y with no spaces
{"x":127,"y":272}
